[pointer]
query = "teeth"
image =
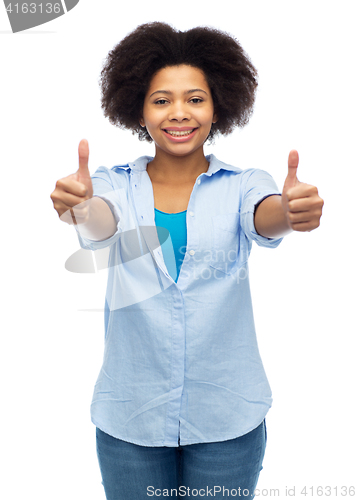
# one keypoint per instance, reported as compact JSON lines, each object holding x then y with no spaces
{"x":176,"y":133}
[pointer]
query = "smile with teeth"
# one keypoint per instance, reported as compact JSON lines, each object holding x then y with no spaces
{"x":177,"y":133}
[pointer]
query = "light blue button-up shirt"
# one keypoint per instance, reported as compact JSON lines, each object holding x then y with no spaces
{"x":181,"y":362}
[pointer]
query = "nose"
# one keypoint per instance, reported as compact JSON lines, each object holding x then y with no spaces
{"x":179,"y":112}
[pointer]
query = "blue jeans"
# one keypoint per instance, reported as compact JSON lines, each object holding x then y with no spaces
{"x":203,"y":470}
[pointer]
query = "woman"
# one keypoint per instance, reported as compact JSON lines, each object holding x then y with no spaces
{"x":181,"y":399}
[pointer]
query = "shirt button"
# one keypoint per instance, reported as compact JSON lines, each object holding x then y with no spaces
{"x":199,"y":181}
{"x":192,"y":252}
{"x":192,"y":214}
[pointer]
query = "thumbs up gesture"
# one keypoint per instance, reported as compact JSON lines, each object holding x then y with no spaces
{"x":71,"y":195}
{"x":301,"y":202}
{"x":83,"y":175}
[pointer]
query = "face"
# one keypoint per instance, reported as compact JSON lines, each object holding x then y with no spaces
{"x":178,"y":110}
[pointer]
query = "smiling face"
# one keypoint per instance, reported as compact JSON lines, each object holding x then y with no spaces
{"x":178,"y":110}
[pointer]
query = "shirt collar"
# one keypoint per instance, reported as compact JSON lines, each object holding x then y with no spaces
{"x":140,"y":164}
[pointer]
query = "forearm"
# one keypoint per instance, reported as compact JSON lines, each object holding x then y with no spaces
{"x":101,"y":224}
{"x":269,"y":218}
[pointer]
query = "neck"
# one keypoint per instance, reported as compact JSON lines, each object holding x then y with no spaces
{"x":172,"y":169}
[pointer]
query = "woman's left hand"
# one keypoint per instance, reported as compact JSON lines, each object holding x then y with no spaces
{"x":301,"y":202}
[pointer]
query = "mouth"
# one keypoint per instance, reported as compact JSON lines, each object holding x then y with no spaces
{"x":180,"y":135}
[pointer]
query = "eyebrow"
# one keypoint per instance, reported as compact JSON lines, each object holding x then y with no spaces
{"x":185,"y":93}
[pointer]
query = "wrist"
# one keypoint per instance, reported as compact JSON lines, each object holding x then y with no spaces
{"x":270,"y":218}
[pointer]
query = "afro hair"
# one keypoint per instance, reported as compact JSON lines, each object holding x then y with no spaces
{"x":129,"y":67}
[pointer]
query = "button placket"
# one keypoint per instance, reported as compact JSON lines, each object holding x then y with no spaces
{"x":142,"y":203}
{"x":191,"y":213}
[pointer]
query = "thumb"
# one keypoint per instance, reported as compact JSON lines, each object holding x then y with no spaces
{"x":83,"y":156}
{"x":83,"y":174}
{"x":293,"y":162}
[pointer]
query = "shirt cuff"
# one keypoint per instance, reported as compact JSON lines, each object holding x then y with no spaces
{"x":88,"y":244}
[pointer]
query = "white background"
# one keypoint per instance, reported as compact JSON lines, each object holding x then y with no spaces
{"x":304,"y":292}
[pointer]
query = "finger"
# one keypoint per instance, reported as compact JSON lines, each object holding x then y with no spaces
{"x":83,"y":157}
{"x":293,"y":162}
{"x":299,"y":217}
{"x":69,"y":200}
{"x":79,"y":216}
{"x":305,"y":226}
{"x":305,"y":204}
{"x":298,"y":205}
{"x":71,"y":185}
{"x":76,"y":215}
{"x":67,"y":217}
{"x":301,"y":190}
{"x":71,"y":217}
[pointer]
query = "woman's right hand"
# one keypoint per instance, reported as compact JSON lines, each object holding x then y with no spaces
{"x":74,"y":191}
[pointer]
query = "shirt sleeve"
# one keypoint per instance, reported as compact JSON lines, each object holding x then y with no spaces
{"x":258,"y":185}
{"x":104,"y":188}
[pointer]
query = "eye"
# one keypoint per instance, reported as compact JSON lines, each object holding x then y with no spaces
{"x":161,"y":101}
{"x":197,"y":100}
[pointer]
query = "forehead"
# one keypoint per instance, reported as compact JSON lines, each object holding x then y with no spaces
{"x":176,"y":78}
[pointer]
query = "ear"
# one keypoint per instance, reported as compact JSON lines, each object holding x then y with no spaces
{"x":142,"y":123}
{"x":215,"y":118}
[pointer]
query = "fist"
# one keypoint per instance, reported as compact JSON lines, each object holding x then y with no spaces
{"x":72,"y":194}
{"x":301,"y":202}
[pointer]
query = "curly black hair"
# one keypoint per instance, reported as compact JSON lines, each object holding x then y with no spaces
{"x":129,"y":67}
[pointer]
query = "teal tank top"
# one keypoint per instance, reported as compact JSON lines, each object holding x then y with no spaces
{"x":176,"y":225}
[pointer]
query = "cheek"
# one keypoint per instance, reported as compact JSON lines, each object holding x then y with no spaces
{"x":150,"y":128}
{"x":153,"y":119}
{"x":209,"y":118}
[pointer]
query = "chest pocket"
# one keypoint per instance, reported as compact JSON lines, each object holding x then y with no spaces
{"x":225,"y":242}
